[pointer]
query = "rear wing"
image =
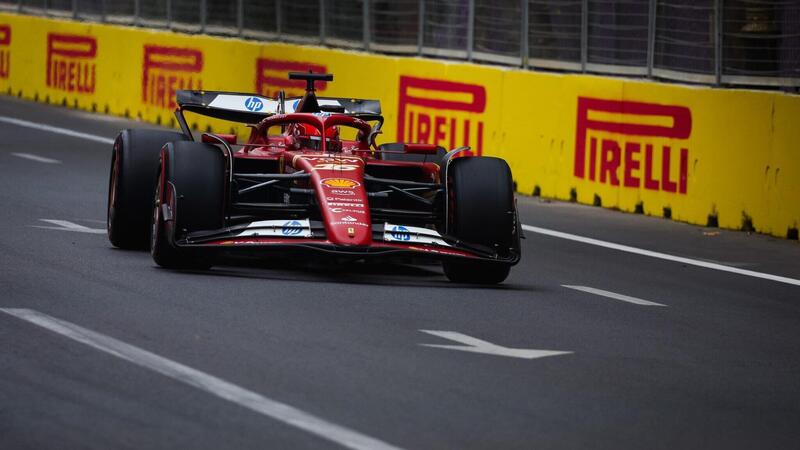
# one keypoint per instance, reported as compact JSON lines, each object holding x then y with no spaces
{"x":251,"y":108}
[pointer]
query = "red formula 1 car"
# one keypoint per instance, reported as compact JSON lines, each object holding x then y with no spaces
{"x":310,"y":180}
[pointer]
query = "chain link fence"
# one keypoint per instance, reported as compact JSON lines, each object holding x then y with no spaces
{"x":719,"y":42}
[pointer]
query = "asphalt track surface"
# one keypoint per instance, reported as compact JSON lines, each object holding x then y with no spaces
{"x":717,"y":367}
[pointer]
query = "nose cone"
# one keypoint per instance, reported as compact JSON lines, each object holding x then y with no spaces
{"x":344,"y":205}
{"x":342,"y":197}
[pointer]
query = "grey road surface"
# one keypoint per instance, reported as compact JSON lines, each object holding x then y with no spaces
{"x":717,"y":366}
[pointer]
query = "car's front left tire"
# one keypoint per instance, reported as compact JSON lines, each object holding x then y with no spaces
{"x":189,"y":196}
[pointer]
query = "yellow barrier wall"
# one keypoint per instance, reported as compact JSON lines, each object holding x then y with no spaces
{"x":695,"y":151}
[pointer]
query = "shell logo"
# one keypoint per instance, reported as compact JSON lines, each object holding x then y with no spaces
{"x":340,"y":183}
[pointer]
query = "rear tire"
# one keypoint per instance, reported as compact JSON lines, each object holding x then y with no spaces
{"x":481,"y":211}
{"x":195,"y":174}
{"x":133,"y":174}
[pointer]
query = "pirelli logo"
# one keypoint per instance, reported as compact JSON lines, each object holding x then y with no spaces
{"x":71,"y":63}
{"x":5,"y":52}
{"x":617,"y":143}
{"x":168,"y":69}
{"x":272,"y":76}
{"x":441,"y":112}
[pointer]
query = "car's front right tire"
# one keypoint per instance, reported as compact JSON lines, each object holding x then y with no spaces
{"x":480,"y":211}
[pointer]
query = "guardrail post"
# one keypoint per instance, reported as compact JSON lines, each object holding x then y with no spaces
{"x":322,"y":21}
{"x":421,"y":27}
{"x":169,"y":13}
{"x":718,"y":6}
{"x":584,"y":34}
{"x":278,"y":17}
{"x":366,"y":19}
{"x":203,"y":15}
{"x":74,"y":9}
{"x":523,"y":35}
{"x":137,"y":11}
{"x":239,"y":17}
{"x":651,"y":38}
{"x":470,"y":29}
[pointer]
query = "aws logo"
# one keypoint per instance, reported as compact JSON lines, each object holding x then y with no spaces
{"x":272,"y":76}
{"x":441,"y":112}
{"x":5,"y":52}
{"x":632,"y":144}
{"x":71,"y":62}
{"x":168,"y":69}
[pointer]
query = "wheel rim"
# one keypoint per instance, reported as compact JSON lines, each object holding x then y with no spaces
{"x":112,"y":190}
{"x":155,"y":226}
{"x":451,"y":210}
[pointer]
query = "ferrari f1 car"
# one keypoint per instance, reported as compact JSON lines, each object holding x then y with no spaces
{"x":309,"y":180}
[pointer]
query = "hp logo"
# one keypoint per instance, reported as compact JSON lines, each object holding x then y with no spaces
{"x":400,"y":233}
{"x":253,"y":104}
{"x":292,"y":228}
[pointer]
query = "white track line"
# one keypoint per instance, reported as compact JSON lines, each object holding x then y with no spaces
{"x":614,"y":295}
{"x":658,"y":255}
{"x":37,"y":158}
{"x":205,"y":382}
{"x":65,"y":225}
{"x":52,"y":129}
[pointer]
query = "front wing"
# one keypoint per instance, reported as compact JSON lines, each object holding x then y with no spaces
{"x":389,"y":240}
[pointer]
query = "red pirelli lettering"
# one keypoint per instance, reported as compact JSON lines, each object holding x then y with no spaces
{"x":631,"y":164}
{"x":426,"y":112}
{"x":272,"y":76}
{"x":5,"y":54}
{"x":5,"y":34}
{"x":612,"y":155}
{"x":70,"y":65}
{"x":610,"y":162}
{"x":168,"y":69}
{"x":649,"y":182}
{"x":5,"y":63}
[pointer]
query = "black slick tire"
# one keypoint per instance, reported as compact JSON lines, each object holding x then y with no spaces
{"x":130,"y":185}
{"x":191,"y":186}
{"x":480,"y":211}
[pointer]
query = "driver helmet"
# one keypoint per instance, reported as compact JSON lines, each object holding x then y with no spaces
{"x":308,"y":136}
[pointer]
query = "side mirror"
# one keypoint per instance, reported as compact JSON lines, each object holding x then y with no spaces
{"x":420,"y":149}
{"x":229,"y":138}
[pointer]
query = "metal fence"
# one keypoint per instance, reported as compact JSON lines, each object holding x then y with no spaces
{"x":720,"y":42}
